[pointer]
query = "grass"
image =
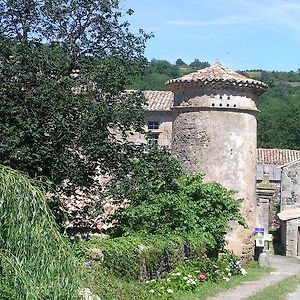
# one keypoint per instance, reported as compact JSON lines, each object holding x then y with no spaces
{"x":294,"y":84}
{"x":279,"y":290}
{"x":111,"y":287}
{"x":254,"y":75}
{"x":209,"y":289}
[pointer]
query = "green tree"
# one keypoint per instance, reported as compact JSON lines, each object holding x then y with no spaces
{"x":155,"y":75}
{"x":180,"y":62}
{"x":197,"y":64}
{"x":163,"y":200}
{"x":54,"y":123}
{"x":279,"y":123}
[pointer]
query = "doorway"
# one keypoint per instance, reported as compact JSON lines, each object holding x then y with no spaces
{"x":298,"y":242}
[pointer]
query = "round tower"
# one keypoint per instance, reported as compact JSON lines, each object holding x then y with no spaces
{"x":214,"y":132}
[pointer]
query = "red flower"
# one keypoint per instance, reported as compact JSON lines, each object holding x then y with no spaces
{"x":202,"y":277}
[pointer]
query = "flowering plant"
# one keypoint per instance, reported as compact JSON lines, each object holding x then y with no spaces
{"x":202,"y":277}
{"x":189,"y":276}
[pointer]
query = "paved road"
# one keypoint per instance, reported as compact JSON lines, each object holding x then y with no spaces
{"x":284,"y":267}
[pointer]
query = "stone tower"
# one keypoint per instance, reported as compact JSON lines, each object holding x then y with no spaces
{"x":214,"y":132}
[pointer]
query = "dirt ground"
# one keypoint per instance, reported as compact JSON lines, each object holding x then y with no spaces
{"x":284,"y":267}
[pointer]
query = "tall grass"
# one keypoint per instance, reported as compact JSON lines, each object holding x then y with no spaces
{"x":36,"y":262}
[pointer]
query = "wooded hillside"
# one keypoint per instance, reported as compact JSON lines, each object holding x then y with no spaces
{"x":279,"y":118}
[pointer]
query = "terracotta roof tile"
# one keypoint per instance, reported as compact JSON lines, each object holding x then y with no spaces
{"x":217,"y":73}
{"x":276,"y":156}
{"x":159,"y":100}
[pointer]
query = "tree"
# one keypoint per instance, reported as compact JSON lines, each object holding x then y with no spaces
{"x":36,"y":262}
{"x":179,"y":204}
{"x":180,"y":62}
{"x":55,"y":124}
{"x":279,"y":123}
{"x":197,"y":64}
{"x":156,"y":74}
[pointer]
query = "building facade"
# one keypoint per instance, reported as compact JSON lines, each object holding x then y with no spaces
{"x":212,"y":116}
{"x":208,"y":119}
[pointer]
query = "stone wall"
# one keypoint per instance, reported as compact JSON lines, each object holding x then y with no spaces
{"x":290,"y":204}
{"x":214,"y":132}
{"x":291,"y":186}
{"x":165,"y":128}
{"x":291,"y":237}
{"x":268,"y":179}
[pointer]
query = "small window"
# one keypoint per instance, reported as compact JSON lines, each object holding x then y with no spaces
{"x":153,"y":138}
{"x":152,"y":125}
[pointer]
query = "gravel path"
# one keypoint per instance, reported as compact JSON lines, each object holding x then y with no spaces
{"x":284,"y":267}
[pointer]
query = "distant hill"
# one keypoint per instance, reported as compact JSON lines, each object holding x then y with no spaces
{"x":279,"y":117}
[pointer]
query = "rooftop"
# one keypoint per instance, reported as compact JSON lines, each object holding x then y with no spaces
{"x":159,"y":100}
{"x":218,"y":74}
{"x":276,"y":156}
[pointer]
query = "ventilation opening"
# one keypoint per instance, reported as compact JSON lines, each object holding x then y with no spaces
{"x":234,"y":105}
{"x":220,"y":104}
{"x":227,"y":105}
{"x":213,"y":104}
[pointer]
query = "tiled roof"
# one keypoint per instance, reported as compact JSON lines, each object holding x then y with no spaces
{"x":159,"y":100}
{"x":217,"y":73}
{"x":276,"y":156}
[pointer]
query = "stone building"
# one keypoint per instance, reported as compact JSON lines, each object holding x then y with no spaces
{"x":208,"y":119}
{"x":290,"y":208}
{"x":268,"y":189}
{"x":211,"y":115}
{"x":215,"y":131}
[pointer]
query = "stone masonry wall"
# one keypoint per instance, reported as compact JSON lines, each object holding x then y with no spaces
{"x":291,"y":186}
{"x":221,"y":144}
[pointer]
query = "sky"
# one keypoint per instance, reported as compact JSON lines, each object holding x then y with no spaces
{"x":241,"y":34}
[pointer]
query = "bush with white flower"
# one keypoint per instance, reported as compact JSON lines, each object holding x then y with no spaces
{"x":190,"y":275}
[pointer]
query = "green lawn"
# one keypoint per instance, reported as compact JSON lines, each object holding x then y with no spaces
{"x":279,"y":290}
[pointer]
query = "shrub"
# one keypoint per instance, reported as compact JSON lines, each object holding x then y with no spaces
{"x":189,"y":276}
{"x":189,"y":206}
{"x":143,"y":257}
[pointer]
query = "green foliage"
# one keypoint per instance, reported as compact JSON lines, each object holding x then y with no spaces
{"x":36,"y":262}
{"x":197,"y":64}
{"x":180,"y":62}
{"x":109,"y":286}
{"x":49,"y":126}
{"x":126,"y":257}
{"x":156,"y":74}
{"x":190,"y":276}
{"x":279,"y":120}
{"x":279,"y":124}
{"x":187,"y":205}
{"x":154,"y":172}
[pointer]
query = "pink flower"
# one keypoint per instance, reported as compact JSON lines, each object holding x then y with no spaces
{"x":202,"y":277}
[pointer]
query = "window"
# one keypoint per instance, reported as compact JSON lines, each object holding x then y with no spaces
{"x":153,"y":138}
{"x":152,"y":125}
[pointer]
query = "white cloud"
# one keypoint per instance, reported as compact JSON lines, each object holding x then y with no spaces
{"x":226,"y":20}
{"x":273,"y":14}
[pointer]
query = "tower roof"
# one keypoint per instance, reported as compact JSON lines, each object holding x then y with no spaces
{"x":219,"y":76}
